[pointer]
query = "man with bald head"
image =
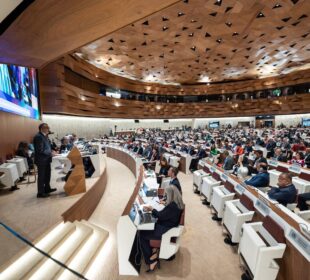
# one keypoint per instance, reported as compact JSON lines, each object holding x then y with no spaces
{"x":279,"y":155}
{"x":285,"y":192}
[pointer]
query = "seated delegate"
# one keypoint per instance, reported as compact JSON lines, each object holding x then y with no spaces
{"x":163,"y":171}
{"x":172,"y":173}
{"x":167,"y":218}
{"x":302,"y":201}
{"x":261,"y":179}
{"x":286,"y":192}
{"x":228,"y":161}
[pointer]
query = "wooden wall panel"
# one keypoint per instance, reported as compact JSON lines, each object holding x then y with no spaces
{"x":68,"y":99}
{"x":13,"y":129}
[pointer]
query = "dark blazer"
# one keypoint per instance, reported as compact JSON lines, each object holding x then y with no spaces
{"x":169,"y":217}
{"x":228,"y":163}
{"x":191,"y":152}
{"x":176,"y":183}
{"x":201,"y":154}
{"x":260,"y":160}
{"x":282,"y":158}
{"x":260,"y":180}
{"x":42,"y":149}
{"x":184,"y":149}
{"x":140,"y":151}
{"x":283,"y":195}
{"x":163,"y":170}
{"x":307,"y":160}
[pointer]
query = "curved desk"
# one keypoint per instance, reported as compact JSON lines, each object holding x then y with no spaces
{"x":86,"y":205}
{"x":129,"y":223}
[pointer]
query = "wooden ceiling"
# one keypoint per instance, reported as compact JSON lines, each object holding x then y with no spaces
{"x":48,"y":29}
{"x":198,"y":41}
{"x":102,"y":77}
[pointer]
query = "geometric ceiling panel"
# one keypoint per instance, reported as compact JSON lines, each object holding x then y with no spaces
{"x":199,"y":41}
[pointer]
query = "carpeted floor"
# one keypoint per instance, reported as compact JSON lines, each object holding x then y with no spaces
{"x":203,"y":254}
{"x":31,"y":216}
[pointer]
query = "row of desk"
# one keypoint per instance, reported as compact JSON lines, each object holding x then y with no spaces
{"x":134,"y":218}
{"x":295,"y":262}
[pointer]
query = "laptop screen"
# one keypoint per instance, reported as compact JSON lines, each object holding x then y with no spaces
{"x":132,"y":213}
{"x":145,"y":188}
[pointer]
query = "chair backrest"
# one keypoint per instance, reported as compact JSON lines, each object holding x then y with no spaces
{"x":304,"y":176}
{"x":229,"y":186}
{"x":206,"y":169}
{"x":247,"y":202}
{"x":216,"y":176}
{"x":275,"y":230}
{"x":182,"y":217}
{"x":281,"y":168}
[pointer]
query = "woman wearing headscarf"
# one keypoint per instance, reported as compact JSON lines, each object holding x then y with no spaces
{"x":167,"y":218}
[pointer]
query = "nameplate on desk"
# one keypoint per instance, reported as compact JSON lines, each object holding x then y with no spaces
{"x":212,"y":169}
{"x":201,"y":163}
{"x":300,"y":242}
{"x":273,"y":162}
{"x":295,"y":168}
{"x":224,"y":177}
{"x":239,"y":189}
{"x":262,"y":206}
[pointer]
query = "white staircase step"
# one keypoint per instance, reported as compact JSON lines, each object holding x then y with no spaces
{"x":85,"y":255}
{"x":32,"y":257}
{"x":49,"y":268}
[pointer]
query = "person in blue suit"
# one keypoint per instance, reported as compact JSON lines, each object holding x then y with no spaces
{"x":261,"y":179}
{"x":286,"y":192}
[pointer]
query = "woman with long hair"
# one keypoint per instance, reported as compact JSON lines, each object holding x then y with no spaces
{"x":167,"y":218}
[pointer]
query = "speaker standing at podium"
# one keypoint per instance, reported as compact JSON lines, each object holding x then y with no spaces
{"x":43,"y":158}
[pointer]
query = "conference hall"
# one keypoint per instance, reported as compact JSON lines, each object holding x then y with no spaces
{"x":155,"y":140}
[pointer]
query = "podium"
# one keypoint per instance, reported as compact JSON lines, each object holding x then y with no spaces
{"x":76,"y":181}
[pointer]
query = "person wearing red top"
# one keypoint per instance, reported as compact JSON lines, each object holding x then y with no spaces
{"x":239,"y":150}
{"x":299,"y":146}
{"x":299,"y":159}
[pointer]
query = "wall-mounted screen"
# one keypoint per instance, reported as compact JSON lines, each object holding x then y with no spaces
{"x":214,"y":124}
{"x":19,"y":91}
{"x":306,"y":122}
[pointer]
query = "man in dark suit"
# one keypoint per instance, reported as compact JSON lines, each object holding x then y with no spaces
{"x":260,"y":180}
{"x":228,"y":161}
{"x":279,"y":155}
{"x":200,"y":155}
{"x":42,"y":158}
{"x":259,"y":159}
{"x":307,"y":158}
{"x":286,"y":192}
{"x":172,"y":173}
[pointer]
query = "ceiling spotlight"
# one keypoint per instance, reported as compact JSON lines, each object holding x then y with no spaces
{"x":165,"y":28}
{"x":218,"y":2}
{"x":204,"y":79}
{"x":260,"y":15}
